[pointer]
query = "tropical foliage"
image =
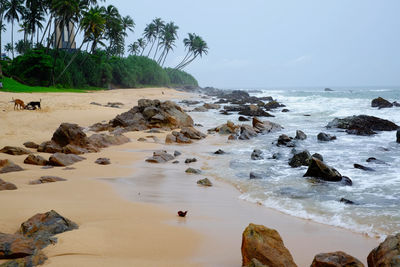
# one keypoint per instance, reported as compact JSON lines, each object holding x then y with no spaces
{"x":98,"y":58}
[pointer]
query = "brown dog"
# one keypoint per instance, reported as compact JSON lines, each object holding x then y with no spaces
{"x":18,"y":103}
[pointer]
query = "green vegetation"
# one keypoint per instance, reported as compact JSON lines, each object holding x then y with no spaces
{"x":49,"y":55}
{"x":10,"y":85}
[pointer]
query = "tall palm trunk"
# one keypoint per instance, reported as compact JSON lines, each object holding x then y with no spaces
{"x":12,"y":39}
{"x":47,"y":28}
{"x":187,"y":63}
{"x":151,"y":48}
{"x":158,"y":45}
{"x":166,"y":54}
{"x":185,"y":58}
{"x":1,"y":24}
{"x":70,"y":62}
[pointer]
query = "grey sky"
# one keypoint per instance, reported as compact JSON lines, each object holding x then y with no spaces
{"x":265,"y":43}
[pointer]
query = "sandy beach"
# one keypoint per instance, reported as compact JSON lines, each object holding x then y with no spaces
{"x":137,"y":225}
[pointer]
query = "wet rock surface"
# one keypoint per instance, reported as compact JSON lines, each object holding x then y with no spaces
{"x":300,"y":159}
{"x":335,"y":259}
{"x":266,"y":246}
{"x":324,"y":137}
{"x":381,"y":103}
{"x":320,"y":170}
{"x":257,"y":154}
{"x":363,"y":125}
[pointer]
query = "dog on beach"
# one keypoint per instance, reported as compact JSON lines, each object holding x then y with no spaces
{"x":18,"y":103}
{"x":33,"y":105}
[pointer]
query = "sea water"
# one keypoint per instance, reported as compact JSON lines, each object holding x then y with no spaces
{"x":376,"y":193}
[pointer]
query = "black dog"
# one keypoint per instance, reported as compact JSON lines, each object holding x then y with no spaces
{"x":33,"y":105}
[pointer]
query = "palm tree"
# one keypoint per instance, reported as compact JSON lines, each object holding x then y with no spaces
{"x":14,"y":10}
{"x":198,"y":47}
{"x":134,"y":48}
{"x":34,"y":16}
{"x":169,"y":35}
{"x":158,"y":28}
{"x":8,"y":48}
{"x":114,"y":30}
{"x":4,"y":4}
{"x":142,"y":45}
{"x":150,"y":35}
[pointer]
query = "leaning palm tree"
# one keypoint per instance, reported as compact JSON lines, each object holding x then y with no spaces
{"x":169,"y":35}
{"x":188,"y":42}
{"x":150,"y":35}
{"x":14,"y":10}
{"x":158,"y":28}
{"x":142,"y":45}
{"x":198,"y":48}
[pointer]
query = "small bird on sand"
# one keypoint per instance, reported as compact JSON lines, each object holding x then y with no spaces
{"x":182,"y":213}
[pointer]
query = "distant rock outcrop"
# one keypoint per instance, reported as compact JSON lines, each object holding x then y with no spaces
{"x":381,"y":103}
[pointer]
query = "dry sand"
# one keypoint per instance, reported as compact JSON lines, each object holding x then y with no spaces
{"x":124,"y":228}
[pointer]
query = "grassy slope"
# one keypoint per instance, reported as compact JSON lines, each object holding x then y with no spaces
{"x":10,"y":85}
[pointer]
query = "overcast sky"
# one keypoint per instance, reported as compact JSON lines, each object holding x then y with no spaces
{"x":285,"y":43}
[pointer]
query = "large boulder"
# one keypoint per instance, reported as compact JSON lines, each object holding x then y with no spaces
{"x":35,"y":160}
{"x":324,"y":137}
{"x":284,"y":140}
{"x":6,"y":185}
{"x":61,"y":159}
{"x":387,"y":254}
{"x":363,"y":125}
{"x":69,"y":133}
{"x":381,"y":103}
{"x":43,"y":226}
{"x":211,"y":106}
{"x":266,"y":246}
{"x":153,"y":113}
{"x":320,"y":170}
{"x":15,"y":246}
{"x":192,"y":133}
{"x":9,"y":166}
{"x":247,"y":132}
{"x":335,"y":259}
{"x":273,"y":105}
{"x":300,"y":135}
{"x":16,"y":151}
{"x":227,"y":128}
{"x":255,"y":111}
{"x":300,"y":159}
{"x":104,"y":140}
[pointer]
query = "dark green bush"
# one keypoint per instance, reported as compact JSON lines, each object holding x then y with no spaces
{"x":179,"y":77}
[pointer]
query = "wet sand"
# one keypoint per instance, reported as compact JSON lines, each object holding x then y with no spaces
{"x":133,"y":221}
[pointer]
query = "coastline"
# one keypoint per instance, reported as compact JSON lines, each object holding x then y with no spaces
{"x":117,"y":230}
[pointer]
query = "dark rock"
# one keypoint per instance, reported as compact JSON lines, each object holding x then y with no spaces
{"x":61,"y":159}
{"x":346,"y":181}
{"x":277,"y":155}
{"x":160,"y":156}
{"x":266,"y":246}
{"x":6,"y":186}
{"x":47,"y":179}
{"x":318,"y":156}
{"x":69,"y":133}
{"x":95,"y":103}
{"x":16,"y":151}
{"x":43,"y":226}
{"x":190,"y":160}
{"x":376,"y":161}
{"x":175,"y":162}
{"x":254,"y":175}
{"x":257,"y":154}
{"x":178,"y":138}
{"x":204,"y":182}
{"x":9,"y":166}
{"x":300,"y":135}
{"x":361,"y":167}
{"x":141,"y":139}
{"x":285,"y":110}
{"x":325,"y":137}
{"x":16,"y":246}
{"x":228,"y":128}
{"x":300,"y":159}
{"x":219,"y":152}
{"x":35,"y":160}
{"x":247,"y":132}
{"x":177,"y":153}
{"x":236,"y":108}
{"x":31,"y":145}
{"x":114,"y":104}
{"x":346,"y":201}
{"x":200,"y":109}
{"x":104,"y":140}
{"x":363,"y":125}
{"x":100,"y":127}
{"x":241,"y":118}
{"x":398,"y":136}
{"x":255,"y":111}
{"x":381,"y":103}
{"x":322,"y":171}
{"x":285,"y":140}
{"x":38,"y":258}
{"x":73,"y":149}
{"x":103,"y":161}
{"x":224,"y":112}
{"x":335,"y":259}
{"x":273,"y":105}
{"x":49,"y":147}
{"x":190,"y":102}
{"x":387,"y":254}
{"x":395,"y":104}
{"x":328,"y":90}
{"x":193,"y":171}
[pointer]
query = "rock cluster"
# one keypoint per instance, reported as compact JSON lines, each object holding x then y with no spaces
{"x":363,"y":125}
{"x":185,"y":136}
{"x":24,"y":247}
{"x":160,"y":156}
